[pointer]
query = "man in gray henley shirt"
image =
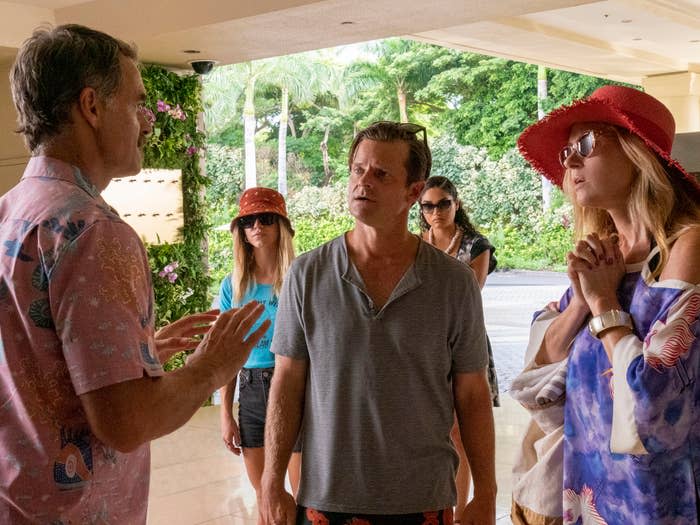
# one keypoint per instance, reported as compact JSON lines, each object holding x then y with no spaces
{"x":379,"y":338}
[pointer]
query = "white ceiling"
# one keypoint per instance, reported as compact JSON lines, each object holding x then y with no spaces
{"x":618,"y":39}
{"x":615,"y":39}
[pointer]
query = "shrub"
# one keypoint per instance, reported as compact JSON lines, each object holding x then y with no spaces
{"x":503,"y":199}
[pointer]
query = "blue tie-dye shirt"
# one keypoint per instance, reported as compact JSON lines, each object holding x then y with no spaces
{"x":632,"y":428}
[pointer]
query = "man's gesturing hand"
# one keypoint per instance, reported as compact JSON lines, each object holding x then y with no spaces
{"x":225,"y":349}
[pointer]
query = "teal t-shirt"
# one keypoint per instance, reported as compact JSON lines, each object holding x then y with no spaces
{"x":260,"y":356}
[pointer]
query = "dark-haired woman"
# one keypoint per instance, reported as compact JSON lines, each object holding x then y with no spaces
{"x":445,"y":225}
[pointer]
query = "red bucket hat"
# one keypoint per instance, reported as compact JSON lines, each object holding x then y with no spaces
{"x":621,"y":106}
{"x":262,"y":200}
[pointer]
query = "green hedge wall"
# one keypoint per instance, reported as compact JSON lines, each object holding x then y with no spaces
{"x":179,"y":269}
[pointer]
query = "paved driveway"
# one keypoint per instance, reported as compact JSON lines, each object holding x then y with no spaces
{"x":510,"y":298}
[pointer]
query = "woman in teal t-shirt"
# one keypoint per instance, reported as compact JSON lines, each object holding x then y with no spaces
{"x":262,"y":252}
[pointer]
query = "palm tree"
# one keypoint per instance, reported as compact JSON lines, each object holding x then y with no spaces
{"x":224,"y":89}
{"x":299,"y":78}
{"x":398,"y":71}
{"x":541,"y":96}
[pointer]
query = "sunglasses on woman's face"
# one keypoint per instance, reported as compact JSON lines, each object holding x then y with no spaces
{"x":584,"y":146}
{"x":266,"y":219}
{"x":428,"y":207}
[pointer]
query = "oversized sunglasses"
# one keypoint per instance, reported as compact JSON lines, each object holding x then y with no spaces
{"x":428,"y":207}
{"x":266,"y":219}
{"x":584,"y":146}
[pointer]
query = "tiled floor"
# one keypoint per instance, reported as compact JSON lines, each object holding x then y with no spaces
{"x":195,"y":480}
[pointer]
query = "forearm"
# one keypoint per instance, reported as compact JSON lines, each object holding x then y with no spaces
{"x":227,"y":392}
{"x":476,"y":426}
{"x":284,"y":414}
{"x":561,"y":333}
{"x":480,"y":266}
{"x":611,"y":336}
{"x":128,"y":414}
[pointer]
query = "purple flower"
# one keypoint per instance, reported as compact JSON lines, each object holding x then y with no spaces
{"x":163,"y":106}
{"x":177,"y":113}
{"x":149,"y":115}
{"x":169,"y":271}
{"x":191,"y":150}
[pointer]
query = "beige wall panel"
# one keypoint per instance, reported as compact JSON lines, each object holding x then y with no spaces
{"x":13,"y":153}
{"x":681,"y":93}
{"x":10,"y":173}
{"x":17,"y":21}
{"x":151,"y":202}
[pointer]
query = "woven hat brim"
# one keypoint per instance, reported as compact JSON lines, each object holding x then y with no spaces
{"x":541,"y":142}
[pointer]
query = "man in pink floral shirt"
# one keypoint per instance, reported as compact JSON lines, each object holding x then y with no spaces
{"x":82,"y":390}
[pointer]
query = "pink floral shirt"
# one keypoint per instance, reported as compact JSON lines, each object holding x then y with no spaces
{"x":76,"y":315}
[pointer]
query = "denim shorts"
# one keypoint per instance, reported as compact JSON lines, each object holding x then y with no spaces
{"x":253,"y":393}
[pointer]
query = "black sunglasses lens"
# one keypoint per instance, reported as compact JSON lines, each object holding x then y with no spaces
{"x":429,"y":207}
{"x":247,"y":222}
{"x":266,"y":219}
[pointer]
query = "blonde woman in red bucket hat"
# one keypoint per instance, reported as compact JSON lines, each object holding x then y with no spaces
{"x":262,"y":252}
{"x":628,"y":324}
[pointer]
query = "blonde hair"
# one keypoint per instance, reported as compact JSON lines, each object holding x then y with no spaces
{"x":243,"y":275}
{"x":660,"y":200}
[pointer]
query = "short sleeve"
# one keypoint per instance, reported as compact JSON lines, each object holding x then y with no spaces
{"x":101,"y":300}
{"x":479,"y":246}
{"x":289,"y":338}
{"x":225,"y":294}
{"x":469,"y":346}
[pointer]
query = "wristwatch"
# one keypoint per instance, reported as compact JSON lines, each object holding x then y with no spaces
{"x":609,"y":319}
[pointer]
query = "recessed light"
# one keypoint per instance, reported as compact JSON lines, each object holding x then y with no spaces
{"x":347,"y":23}
{"x":637,"y":39}
{"x":626,"y":21}
{"x":694,"y":41}
{"x":191,"y":51}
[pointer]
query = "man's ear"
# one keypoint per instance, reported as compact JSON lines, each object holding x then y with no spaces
{"x":90,"y":106}
{"x":416,"y":190}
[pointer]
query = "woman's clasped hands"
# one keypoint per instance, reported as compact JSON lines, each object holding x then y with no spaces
{"x":596,"y":267}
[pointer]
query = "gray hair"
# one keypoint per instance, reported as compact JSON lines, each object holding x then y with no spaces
{"x":51,"y":69}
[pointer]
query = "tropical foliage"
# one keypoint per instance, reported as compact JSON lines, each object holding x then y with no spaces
{"x":308,"y":108}
{"x":178,"y":270}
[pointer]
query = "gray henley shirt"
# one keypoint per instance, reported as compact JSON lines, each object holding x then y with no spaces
{"x":379,"y":405}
